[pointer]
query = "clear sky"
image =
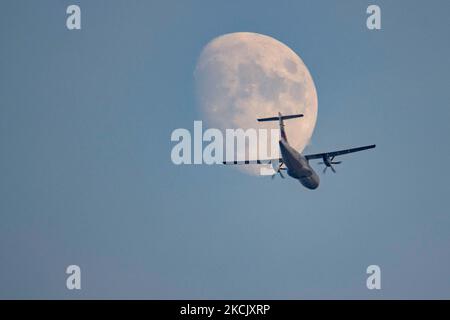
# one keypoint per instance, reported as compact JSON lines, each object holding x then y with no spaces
{"x":86,"y":175}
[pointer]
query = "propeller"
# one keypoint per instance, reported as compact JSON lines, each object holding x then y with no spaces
{"x":278,"y":170}
{"x":328,"y":162}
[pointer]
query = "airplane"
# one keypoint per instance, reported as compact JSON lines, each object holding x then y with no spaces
{"x":296,"y":164}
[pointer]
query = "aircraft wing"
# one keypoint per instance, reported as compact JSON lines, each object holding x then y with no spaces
{"x":337,"y":153}
{"x":266,"y":161}
{"x":308,"y":157}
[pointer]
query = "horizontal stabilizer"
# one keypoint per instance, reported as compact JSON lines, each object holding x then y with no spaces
{"x":292,"y":116}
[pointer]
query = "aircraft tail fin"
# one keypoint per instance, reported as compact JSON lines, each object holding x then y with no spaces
{"x":280,"y":118}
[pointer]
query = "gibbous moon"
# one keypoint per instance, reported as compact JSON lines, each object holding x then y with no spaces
{"x":244,"y":76}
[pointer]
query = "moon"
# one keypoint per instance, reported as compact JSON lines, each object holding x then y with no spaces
{"x":242,"y":76}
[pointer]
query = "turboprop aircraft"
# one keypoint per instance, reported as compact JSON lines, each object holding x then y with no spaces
{"x":296,"y":164}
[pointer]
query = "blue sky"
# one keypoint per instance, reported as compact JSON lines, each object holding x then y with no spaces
{"x":85,"y":124}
